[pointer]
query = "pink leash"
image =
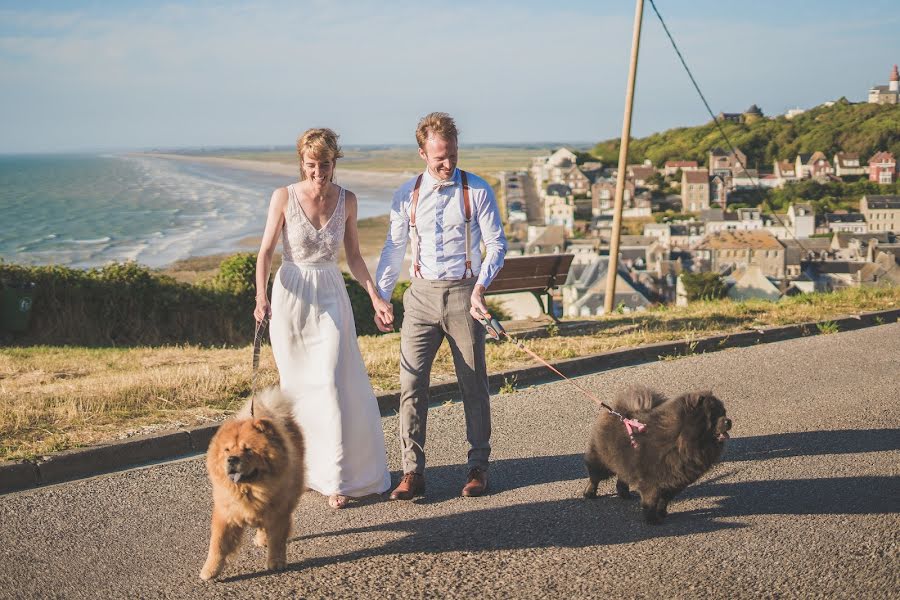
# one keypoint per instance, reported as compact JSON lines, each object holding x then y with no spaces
{"x":495,"y":329}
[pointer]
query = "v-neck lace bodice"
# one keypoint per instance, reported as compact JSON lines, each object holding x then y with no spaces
{"x":302,"y":242}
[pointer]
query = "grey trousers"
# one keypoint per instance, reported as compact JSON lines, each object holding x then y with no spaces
{"x":433,"y":310}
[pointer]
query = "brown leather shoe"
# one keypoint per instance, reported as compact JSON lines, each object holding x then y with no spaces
{"x":476,"y":483}
{"x":411,"y":485}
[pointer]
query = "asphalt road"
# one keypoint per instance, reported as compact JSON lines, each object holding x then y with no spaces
{"x":804,"y":504}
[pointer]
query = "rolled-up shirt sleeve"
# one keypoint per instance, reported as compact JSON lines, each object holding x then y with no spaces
{"x":491,"y":226}
{"x":391,"y":261}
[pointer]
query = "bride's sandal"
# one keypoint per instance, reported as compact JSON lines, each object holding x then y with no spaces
{"x":337,"y":501}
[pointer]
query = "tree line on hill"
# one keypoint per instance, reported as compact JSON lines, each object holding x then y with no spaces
{"x":843,"y":126}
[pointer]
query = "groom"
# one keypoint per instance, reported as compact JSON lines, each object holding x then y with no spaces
{"x":445,"y":214}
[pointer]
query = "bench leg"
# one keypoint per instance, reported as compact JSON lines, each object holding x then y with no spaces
{"x":546,"y":306}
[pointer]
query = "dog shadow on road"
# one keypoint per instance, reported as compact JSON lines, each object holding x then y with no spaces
{"x":578,"y":523}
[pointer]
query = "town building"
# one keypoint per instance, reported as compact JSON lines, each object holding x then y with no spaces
{"x":671,"y":166}
{"x":584,"y":292}
{"x":882,"y":213}
{"x":550,"y":239}
{"x":814,"y":165}
{"x":640,"y":174}
{"x":887,"y":94}
{"x":745,"y":179}
{"x":742,"y":249}
{"x":882,"y":168}
{"x":559,"y":206}
{"x":848,"y":164}
{"x":694,"y":191}
{"x":819,"y":167}
{"x":603,"y":195}
{"x":802,"y":220}
{"x":725,"y":163}
{"x":785,"y":170}
{"x":752,"y":284}
{"x":846,"y":222}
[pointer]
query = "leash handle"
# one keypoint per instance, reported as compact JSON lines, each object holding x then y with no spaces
{"x":492,"y":325}
{"x":257,"y":342}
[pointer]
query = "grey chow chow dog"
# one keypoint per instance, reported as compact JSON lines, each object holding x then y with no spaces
{"x":684,"y":438}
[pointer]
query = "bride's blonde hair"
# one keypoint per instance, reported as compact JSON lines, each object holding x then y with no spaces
{"x":319,"y":143}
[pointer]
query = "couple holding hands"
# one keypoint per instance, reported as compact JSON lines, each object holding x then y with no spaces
{"x":445,"y":214}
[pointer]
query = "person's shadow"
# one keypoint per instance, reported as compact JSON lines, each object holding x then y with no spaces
{"x":578,"y":523}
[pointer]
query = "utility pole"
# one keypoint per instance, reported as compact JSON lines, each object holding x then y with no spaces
{"x":623,"y":160}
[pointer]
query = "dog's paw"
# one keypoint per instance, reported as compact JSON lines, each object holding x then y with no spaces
{"x":622,"y":490}
{"x":260,"y":540}
{"x":276,"y":564}
{"x":590,"y":492}
{"x":210,"y":571}
{"x":651,"y":516}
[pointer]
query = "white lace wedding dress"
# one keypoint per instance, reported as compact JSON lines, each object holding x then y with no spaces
{"x":314,"y":342}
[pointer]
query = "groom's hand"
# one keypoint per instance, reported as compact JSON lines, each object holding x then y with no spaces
{"x":381,"y":325}
{"x":478,"y":303}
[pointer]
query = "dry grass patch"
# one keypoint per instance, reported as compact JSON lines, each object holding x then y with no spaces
{"x":53,"y":398}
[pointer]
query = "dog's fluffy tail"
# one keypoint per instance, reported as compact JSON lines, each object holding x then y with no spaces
{"x":637,"y":399}
{"x":270,"y":403}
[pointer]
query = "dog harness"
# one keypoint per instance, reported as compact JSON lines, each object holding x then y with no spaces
{"x":414,"y":234}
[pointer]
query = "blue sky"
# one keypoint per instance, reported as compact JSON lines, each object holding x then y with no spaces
{"x":120,"y":75}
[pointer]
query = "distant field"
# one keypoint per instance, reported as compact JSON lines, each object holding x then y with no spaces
{"x":399,"y":159}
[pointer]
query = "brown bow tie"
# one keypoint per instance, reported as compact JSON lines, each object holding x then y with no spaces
{"x":442,"y":184}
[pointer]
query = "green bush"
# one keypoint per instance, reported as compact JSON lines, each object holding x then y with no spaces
{"x":128,"y":304}
{"x":237,"y":274}
{"x":704,"y":286}
{"x":125,"y":305}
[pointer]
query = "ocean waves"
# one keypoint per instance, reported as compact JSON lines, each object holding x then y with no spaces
{"x":86,"y":211}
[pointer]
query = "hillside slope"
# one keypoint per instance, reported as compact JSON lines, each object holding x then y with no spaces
{"x":862,"y":128}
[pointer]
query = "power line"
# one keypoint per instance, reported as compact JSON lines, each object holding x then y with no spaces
{"x":719,"y":125}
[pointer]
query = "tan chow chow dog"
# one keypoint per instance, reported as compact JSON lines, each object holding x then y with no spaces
{"x":256,"y":469}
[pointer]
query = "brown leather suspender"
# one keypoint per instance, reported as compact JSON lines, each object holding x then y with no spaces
{"x":417,"y":270}
{"x":465,"y":183}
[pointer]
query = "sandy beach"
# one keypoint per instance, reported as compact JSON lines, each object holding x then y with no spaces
{"x":346,"y":177}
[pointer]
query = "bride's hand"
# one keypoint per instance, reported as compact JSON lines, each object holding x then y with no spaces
{"x":263,"y":309}
{"x":384,"y":313}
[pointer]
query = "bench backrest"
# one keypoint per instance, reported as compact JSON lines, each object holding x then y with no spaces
{"x":538,"y":272}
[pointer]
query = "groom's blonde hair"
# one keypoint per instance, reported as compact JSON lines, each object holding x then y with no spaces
{"x":321,"y":143}
{"x":437,"y":123}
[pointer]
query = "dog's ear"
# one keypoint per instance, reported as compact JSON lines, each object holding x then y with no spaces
{"x":694,"y":400}
{"x":264,"y":426}
{"x":697,"y":399}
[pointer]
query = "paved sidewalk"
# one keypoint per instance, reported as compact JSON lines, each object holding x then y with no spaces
{"x":806,"y":503}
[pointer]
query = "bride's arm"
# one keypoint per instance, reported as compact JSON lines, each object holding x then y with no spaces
{"x":358,"y":266}
{"x":274,"y":221}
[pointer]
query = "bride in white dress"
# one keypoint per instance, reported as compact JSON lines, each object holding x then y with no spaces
{"x":312,"y":328}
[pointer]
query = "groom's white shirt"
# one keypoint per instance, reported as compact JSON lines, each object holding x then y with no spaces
{"x":441,"y":222}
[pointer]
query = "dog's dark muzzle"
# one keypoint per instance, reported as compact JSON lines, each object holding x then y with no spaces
{"x":723,"y":429}
{"x":235,"y":471}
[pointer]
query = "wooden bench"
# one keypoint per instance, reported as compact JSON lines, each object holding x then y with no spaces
{"x":537,"y":273}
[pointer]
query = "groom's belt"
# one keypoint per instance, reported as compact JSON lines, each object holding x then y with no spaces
{"x":442,"y":283}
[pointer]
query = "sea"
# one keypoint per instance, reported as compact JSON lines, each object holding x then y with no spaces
{"x":89,"y":210}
